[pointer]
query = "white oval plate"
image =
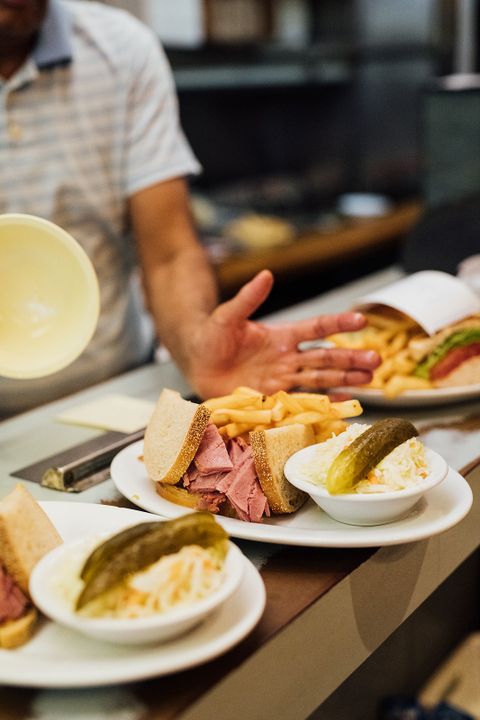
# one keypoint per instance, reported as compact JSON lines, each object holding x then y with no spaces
{"x":414,"y":398}
{"x":57,"y":657}
{"x":439,"y":509}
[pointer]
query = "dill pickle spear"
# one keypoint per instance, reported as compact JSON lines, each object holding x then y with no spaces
{"x":107,"y":550}
{"x":131,"y":550}
{"x":366,"y":451}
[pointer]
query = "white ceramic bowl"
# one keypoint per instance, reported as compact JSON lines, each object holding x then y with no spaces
{"x":154,"y":629}
{"x":49,"y":297}
{"x":363,"y":508}
{"x":363,"y":205}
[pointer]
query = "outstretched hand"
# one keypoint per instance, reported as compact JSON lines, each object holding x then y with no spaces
{"x":228,"y":349}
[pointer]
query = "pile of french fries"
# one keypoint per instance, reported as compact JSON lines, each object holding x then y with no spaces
{"x":247,"y":409}
{"x":389,"y":333}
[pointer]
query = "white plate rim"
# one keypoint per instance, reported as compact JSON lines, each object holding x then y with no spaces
{"x":285,"y":530}
{"x":242,"y":612}
{"x":415,"y":398}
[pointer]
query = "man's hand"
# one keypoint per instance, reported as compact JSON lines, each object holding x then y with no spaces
{"x":228,"y":349}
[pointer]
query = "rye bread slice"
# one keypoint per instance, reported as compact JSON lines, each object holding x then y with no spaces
{"x":271,"y":450}
{"x":172,"y":436}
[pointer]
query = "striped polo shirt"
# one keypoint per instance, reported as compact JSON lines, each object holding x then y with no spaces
{"x":89,"y":119}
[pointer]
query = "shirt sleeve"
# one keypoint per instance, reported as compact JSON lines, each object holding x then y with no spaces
{"x":156,"y":148}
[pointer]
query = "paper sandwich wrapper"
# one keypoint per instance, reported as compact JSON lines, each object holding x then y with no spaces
{"x":432,"y":298}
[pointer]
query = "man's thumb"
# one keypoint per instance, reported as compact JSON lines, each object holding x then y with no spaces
{"x":247,"y":300}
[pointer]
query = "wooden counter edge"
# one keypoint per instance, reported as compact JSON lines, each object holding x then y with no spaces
{"x":298,"y":668}
{"x":320,"y":249}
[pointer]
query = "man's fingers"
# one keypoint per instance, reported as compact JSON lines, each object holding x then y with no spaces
{"x":339,"y":396}
{"x":318,"y":379}
{"x":340,"y":358}
{"x":325,"y":325}
{"x":246,"y":301}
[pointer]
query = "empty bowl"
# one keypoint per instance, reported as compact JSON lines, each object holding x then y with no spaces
{"x":49,"y":297}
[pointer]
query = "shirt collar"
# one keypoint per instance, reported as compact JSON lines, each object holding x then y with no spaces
{"x":54,"y":45}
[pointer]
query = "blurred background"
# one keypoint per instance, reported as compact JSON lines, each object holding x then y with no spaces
{"x":329,"y":131}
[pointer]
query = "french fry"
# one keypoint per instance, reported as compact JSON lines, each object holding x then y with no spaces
{"x":347,"y":408}
{"x":398,"y":342}
{"x":376,"y":383}
{"x":244,"y":390}
{"x":278,"y":411}
{"x":402,"y":364}
{"x":389,"y":332}
{"x":220,"y":417}
{"x":385,"y":370}
{"x":255,"y":411}
{"x":231,"y":401}
{"x":289,"y":402}
{"x":310,"y":401}
{"x":232,"y":430}
{"x":389,"y":318}
{"x":328,"y":428}
{"x":252,"y":417}
{"x":305,"y":418}
{"x":266,"y":402}
{"x":399,"y":383}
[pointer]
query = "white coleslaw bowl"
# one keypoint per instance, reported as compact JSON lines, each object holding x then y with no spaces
{"x":125,"y":631}
{"x":363,"y":508}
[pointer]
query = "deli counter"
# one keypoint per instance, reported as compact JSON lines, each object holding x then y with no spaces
{"x":342,"y":627}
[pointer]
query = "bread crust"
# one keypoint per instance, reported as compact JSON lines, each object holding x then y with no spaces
{"x":421,"y":347}
{"x":14,"y":633}
{"x":173,"y":419}
{"x":467,"y":373}
{"x":271,"y":449}
{"x":26,"y":535}
{"x":181,"y":496}
{"x":177,"y":495}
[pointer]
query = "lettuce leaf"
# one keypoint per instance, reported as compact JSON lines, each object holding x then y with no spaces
{"x":458,"y":339}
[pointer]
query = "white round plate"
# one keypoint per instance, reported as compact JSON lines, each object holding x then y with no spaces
{"x":415,"y":398}
{"x":57,"y":657}
{"x":440,"y":508}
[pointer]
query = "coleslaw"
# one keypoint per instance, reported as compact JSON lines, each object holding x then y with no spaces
{"x":176,"y":580}
{"x":403,"y":468}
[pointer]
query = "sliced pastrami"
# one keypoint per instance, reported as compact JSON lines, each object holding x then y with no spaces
{"x":240,"y":453}
{"x":191,"y":475}
{"x":211,"y":501}
{"x":245,"y":493}
{"x":258,"y":504}
{"x":212,"y":455}
{"x":223,"y":475}
{"x":207,"y":483}
{"x":236,"y":448}
{"x":12,"y":600}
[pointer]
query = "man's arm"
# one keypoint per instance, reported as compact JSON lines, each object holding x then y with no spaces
{"x":217,"y":346}
{"x":179,"y":283}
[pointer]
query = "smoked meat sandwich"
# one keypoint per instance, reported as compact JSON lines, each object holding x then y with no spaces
{"x":193,"y":465}
{"x":26,"y":535}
